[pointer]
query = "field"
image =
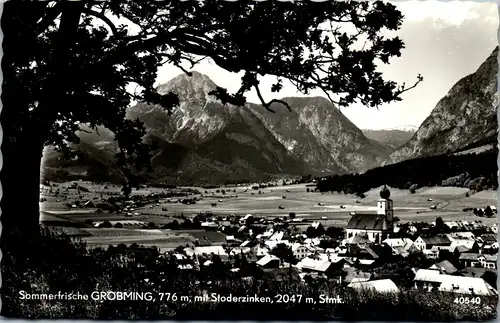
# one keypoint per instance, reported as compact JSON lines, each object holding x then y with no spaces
{"x":335,"y":207}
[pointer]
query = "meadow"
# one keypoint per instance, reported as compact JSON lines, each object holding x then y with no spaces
{"x":330,"y":208}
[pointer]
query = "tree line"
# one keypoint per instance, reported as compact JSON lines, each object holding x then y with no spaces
{"x":474,"y":171}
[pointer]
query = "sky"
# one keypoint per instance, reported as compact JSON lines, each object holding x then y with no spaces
{"x":444,"y":41}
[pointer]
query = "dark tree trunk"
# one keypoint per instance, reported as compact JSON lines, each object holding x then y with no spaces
{"x":20,"y":180}
{"x":24,"y":138}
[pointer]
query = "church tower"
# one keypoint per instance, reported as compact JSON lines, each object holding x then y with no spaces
{"x":384,"y":206}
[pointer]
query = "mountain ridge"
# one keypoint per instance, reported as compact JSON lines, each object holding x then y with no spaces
{"x":465,"y":116}
{"x":249,"y":141}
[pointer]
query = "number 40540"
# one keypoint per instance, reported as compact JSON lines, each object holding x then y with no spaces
{"x":467,"y":300}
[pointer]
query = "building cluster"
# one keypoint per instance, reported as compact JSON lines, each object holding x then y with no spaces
{"x":459,"y":257}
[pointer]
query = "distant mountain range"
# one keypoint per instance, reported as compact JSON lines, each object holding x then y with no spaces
{"x":393,"y":138}
{"x":204,"y":141}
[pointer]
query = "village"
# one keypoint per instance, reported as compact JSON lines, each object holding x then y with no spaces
{"x":373,"y":249}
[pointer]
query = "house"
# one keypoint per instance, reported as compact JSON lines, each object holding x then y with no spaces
{"x":269,"y":261}
{"x":444,"y":267}
{"x":471,"y":259}
{"x":206,"y":250}
{"x":179,"y":256}
{"x":314,"y":265}
{"x":370,"y":252}
{"x":403,"y":251}
{"x":380,"y":286}
{"x":474,"y":271}
{"x":423,"y":243}
{"x":488,"y":238}
{"x":471,"y":245}
{"x":376,"y":227}
{"x":488,"y":261}
{"x":427,"y":279}
{"x":432,"y":253}
{"x":433,"y":280}
{"x":209,"y":224}
{"x":357,"y":239}
{"x":400,"y":246}
{"x":490,"y":248}
{"x":240,"y":250}
{"x":466,"y":285}
{"x":300,"y":251}
{"x":460,"y":250}
{"x":461,"y":236}
{"x":260,"y":251}
{"x":354,"y":275}
{"x":398,"y":242}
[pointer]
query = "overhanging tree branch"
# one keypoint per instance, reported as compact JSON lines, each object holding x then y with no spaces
{"x":267,"y":105}
{"x":49,"y":17}
{"x":101,"y":16}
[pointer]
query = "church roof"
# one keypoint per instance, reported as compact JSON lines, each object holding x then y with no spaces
{"x":368,"y":222}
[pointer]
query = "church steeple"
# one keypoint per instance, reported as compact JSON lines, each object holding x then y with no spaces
{"x":384,"y":205}
{"x":385,"y":193}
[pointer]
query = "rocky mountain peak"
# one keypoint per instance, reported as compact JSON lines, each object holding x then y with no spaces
{"x":197,"y":85}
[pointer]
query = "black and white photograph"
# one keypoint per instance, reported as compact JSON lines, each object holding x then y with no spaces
{"x":249,"y":160}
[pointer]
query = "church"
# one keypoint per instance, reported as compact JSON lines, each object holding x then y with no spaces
{"x":374,"y":226}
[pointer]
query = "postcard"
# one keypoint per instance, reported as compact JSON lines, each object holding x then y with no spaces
{"x":249,"y":160}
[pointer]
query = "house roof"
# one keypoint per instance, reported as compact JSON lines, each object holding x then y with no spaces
{"x":488,"y":237}
{"x":240,"y":250}
{"x":462,"y":249}
{"x":437,"y":240}
{"x":400,"y":250}
{"x":261,"y":251}
{"x":266,"y":259}
{"x":217,"y":250}
{"x":368,"y":222}
{"x":446,"y":266}
{"x":490,"y":257}
{"x":358,"y":239}
{"x":381,"y":285}
{"x":428,"y":275}
{"x":314,"y":264}
{"x":316,"y":225}
{"x":461,"y":235}
{"x":456,"y":284}
{"x":469,"y":256}
{"x":466,"y":243}
{"x":356,"y":275}
{"x":245,"y":243}
{"x":296,"y":246}
{"x":372,"y":252}
{"x":473,"y":271}
{"x":398,"y":242}
{"x":466,"y":285}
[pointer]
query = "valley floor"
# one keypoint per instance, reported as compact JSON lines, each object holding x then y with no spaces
{"x":331,"y":209}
